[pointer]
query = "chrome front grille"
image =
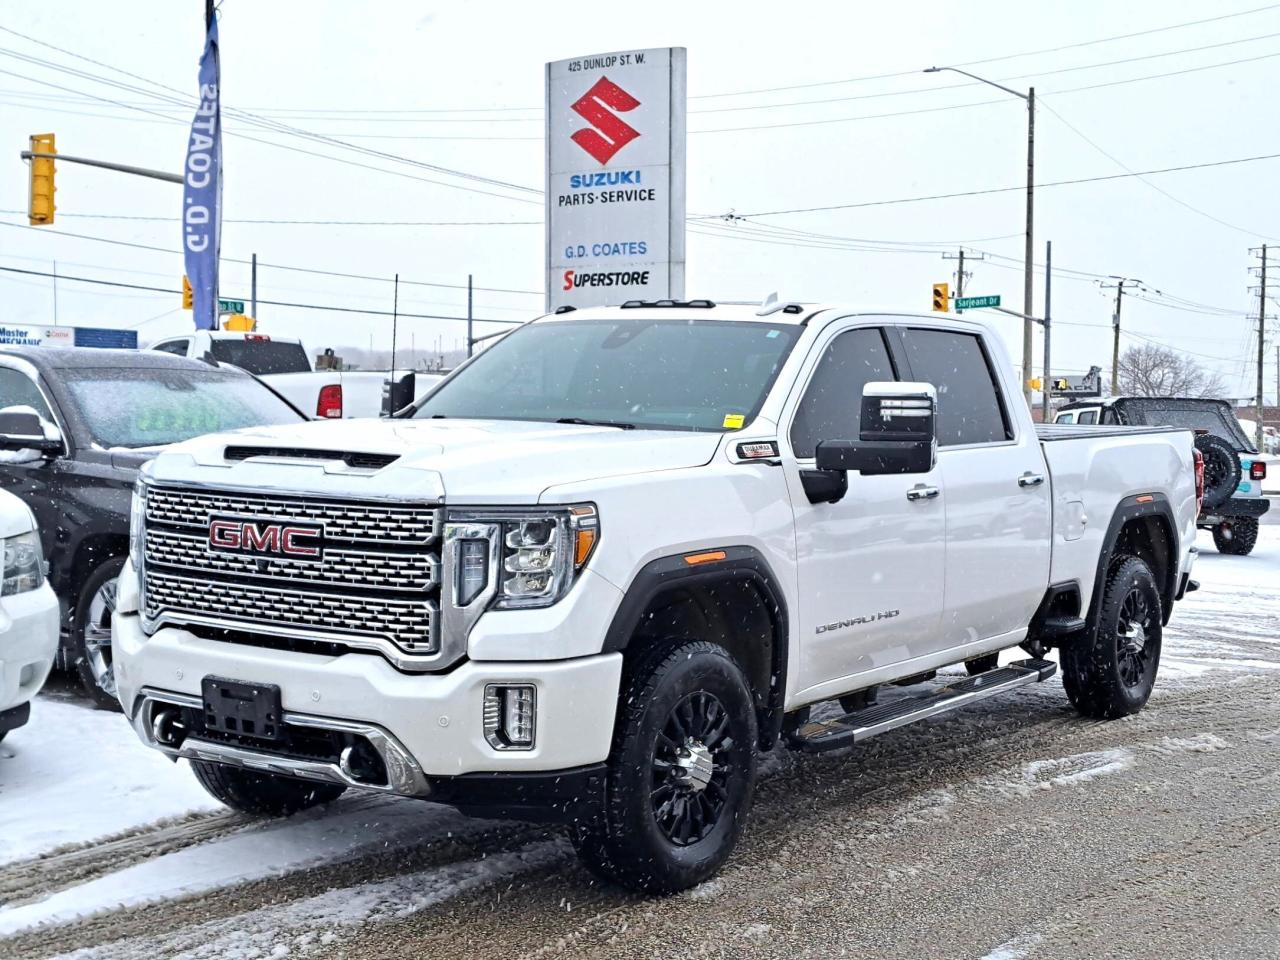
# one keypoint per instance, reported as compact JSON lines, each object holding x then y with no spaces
{"x":344,"y":520}
{"x":354,"y":569}
{"x":375,"y":587}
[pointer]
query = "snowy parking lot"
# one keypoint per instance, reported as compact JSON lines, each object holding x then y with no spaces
{"x":1011,"y":829}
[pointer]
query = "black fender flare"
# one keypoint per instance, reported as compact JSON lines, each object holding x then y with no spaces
{"x":739,"y":564}
{"x":1132,"y":508}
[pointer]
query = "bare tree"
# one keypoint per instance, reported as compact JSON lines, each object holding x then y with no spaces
{"x":1154,"y":371}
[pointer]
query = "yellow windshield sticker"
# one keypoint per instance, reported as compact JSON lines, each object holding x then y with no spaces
{"x":734,"y":421}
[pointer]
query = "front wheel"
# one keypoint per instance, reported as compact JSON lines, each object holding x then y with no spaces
{"x":90,"y":639}
{"x":1237,"y":536}
{"x":262,"y":794}
{"x":681,"y":773}
{"x":1110,"y":670}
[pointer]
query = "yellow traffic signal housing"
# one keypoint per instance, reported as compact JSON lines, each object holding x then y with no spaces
{"x":187,"y":298}
{"x":942,"y":297}
{"x":240,"y":323}
{"x":40,"y":206}
{"x":1035,"y":383}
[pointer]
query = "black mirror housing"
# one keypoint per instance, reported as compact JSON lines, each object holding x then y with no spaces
{"x":898,"y":433}
{"x":23,"y":429}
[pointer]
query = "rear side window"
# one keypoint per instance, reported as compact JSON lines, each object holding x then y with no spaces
{"x":969,"y":406}
{"x":1088,"y":416}
{"x":262,"y":356}
{"x":177,"y":347}
{"x":1066,"y":418}
{"x":832,"y":404}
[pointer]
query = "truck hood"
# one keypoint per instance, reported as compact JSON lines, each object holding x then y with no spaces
{"x":463,"y":461}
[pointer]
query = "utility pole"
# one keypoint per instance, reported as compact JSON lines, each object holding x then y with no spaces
{"x":395,"y":316}
{"x":1262,"y":324}
{"x":253,"y":287}
{"x":470,"y":340}
{"x":1046,"y":383}
{"x":961,"y":275}
{"x":1027,"y":264}
{"x":1121,"y":283}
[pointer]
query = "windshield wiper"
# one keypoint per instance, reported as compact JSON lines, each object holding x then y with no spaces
{"x":597,"y":423}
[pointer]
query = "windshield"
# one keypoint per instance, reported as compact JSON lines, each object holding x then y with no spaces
{"x":673,"y":374}
{"x":155,"y":406}
{"x":262,"y":356}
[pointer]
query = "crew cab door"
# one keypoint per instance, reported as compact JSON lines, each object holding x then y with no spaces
{"x":871,"y":565}
{"x":995,"y":485}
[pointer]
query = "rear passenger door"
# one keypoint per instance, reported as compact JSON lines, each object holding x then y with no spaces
{"x":995,"y":488}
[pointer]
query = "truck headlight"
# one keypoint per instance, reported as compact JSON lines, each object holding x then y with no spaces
{"x":538,"y":552}
{"x":23,"y":564}
{"x":136,"y":509}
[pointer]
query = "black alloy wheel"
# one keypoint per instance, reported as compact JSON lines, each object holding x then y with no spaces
{"x":691,"y":767}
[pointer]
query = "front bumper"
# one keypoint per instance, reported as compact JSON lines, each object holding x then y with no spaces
{"x":28,"y":643}
{"x":425,"y":726}
{"x":1235,"y":507}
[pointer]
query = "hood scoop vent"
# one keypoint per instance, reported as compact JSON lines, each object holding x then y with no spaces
{"x":360,"y":461}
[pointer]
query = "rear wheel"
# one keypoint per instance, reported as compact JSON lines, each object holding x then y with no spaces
{"x":1237,"y":536}
{"x":681,"y":773}
{"x":1110,"y":670}
{"x":262,"y":794}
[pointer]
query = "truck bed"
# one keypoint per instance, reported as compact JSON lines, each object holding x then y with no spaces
{"x":1049,"y":432}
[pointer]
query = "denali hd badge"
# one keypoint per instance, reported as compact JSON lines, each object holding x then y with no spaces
{"x":266,"y":538}
{"x":856,"y":621}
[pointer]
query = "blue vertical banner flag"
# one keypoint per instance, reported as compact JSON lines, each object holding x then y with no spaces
{"x":202,"y":191}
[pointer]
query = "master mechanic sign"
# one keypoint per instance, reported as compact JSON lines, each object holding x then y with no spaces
{"x":615,"y":177}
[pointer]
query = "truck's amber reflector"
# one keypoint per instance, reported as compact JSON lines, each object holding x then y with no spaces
{"x":709,"y":556}
{"x":1146,"y":498}
{"x":583,"y":545}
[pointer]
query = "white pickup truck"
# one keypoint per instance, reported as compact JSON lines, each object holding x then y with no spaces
{"x":623,"y":550}
{"x":286,"y":367}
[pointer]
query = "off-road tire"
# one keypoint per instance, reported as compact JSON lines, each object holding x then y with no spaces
{"x":983,"y":664}
{"x":262,"y":794}
{"x":1244,"y":535}
{"x":84,"y":622}
{"x":625,"y":842}
{"x":1099,"y":671}
{"x":1221,"y":470}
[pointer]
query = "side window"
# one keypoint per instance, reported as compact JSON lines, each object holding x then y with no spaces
{"x":832,"y":404}
{"x":969,"y":406}
{"x":1088,"y":416}
{"x":16,"y":389}
{"x":1066,"y":418}
{"x":176,"y":347}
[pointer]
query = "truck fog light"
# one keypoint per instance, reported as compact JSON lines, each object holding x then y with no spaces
{"x":509,"y":712}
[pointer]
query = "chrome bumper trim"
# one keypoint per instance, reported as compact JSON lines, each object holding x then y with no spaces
{"x":404,"y":775}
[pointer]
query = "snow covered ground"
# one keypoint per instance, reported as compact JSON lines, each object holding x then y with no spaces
{"x":77,"y":775}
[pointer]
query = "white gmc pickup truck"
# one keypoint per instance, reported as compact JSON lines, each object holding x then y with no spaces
{"x":623,"y":550}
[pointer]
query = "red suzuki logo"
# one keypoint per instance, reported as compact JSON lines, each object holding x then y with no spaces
{"x":294,"y":541}
{"x":610,"y":134}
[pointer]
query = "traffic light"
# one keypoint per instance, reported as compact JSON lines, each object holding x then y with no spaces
{"x":1035,"y":383}
{"x":186,"y":293}
{"x":40,"y":204}
{"x":941,"y":297}
{"x":240,"y":323}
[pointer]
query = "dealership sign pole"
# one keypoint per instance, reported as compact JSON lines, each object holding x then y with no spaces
{"x":202,"y":190}
{"x":615,"y":177}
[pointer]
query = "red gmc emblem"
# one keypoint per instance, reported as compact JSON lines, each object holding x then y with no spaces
{"x":266,"y":538}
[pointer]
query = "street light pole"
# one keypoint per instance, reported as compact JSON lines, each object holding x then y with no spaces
{"x":1028,"y":252}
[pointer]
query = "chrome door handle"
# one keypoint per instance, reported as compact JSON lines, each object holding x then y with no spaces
{"x":1030,"y":479}
{"x":921,"y":492}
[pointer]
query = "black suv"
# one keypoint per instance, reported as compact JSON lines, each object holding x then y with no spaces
{"x":105,"y":413}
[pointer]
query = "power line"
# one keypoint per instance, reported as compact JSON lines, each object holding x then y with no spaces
{"x":977,"y":193}
{"x":273,"y":303}
{"x":313,"y":223}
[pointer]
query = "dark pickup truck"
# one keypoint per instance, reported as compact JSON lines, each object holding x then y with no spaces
{"x":105,"y":413}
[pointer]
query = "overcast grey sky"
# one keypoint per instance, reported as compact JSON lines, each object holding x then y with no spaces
{"x":345,"y":69}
